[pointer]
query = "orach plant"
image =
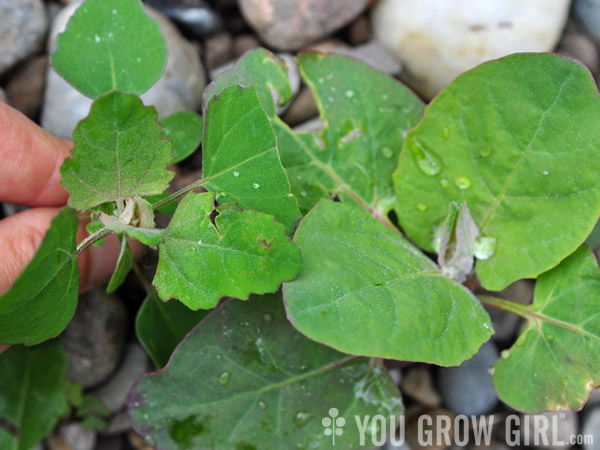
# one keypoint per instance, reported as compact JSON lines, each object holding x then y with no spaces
{"x":498,"y":175}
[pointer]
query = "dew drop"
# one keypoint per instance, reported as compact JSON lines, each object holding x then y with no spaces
{"x":303,"y":194}
{"x":446,"y":132}
{"x":114,"y":11}
{"x":97,"y":38}
{"x":235,"y":173}
{"x":505,"y":354}
{"x":484,"y":247}
{"x":387,"y":152}
{"x":301,"y":418}
{"x":550,"y":338}
{"x":349,"y":93}
{"x":545,"y":172}
{"x":200,"y":242}
{"x":321,"y":80}
{"x":255,"y":185}
{"x":422,"y":207}
{"x":384,"y":97}
{"x":267,"y":317}
{"x":223,"y":378}
{"x":261,"y":404}
{"x":444,"y":183}
{"x":139,"y":59}
{"x":463,"y":182}
{"x":427,"y":160}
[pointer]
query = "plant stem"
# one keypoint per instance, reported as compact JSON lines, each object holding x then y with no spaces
{"x":506,"y":305}
{"x":100,"y":234}
{"x":140,"y":274}
{"x":176,"y":195}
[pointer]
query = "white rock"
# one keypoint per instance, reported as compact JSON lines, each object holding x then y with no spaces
{"x":179,"y":88}
{"x":437,"y":40}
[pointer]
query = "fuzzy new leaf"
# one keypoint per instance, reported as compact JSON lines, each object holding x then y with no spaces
{"x":118,"y":153}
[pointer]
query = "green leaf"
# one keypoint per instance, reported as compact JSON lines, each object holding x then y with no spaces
{"x":43,"y":299}
{"x":184,"y":128}
{"x":148,"y":236}
{"x":160,"y":326}
{"x":366,"y":113}
{"x":555,"y":363}
{"x":512,"y":139}
{"x":118,"y":153}
{"x":110,"y":45}
{"x":31,"y":398}
{"x":259,"y":68}
{"x":366,"y":291}
{"x":240,"y":253}
{"x":124,"y":264}
{"x":244,"y":378}
{"x":240,"y":158}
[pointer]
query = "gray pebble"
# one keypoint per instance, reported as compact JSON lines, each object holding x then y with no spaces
{"x":23,"y":24}
{"x":114,"y":393}
{"x":591,"y":428}
{"x":588,"y":14}
{"x":468,"y":389}
{"x":94,"y":340}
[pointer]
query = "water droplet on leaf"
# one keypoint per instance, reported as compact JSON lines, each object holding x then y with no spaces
{"x":349,"y":93}
{"x":235,"y":173}
{"x":484,"y":152}
{"x":255,"y":185}
{"x":223,"y":378}
{"x":422,"y":207}
{"x":261,"y":404}
{"x":267,"y":317}
{"x":301,"y":418}
{"x":545,"y":172}
{"x":427,"y":160}
{"x":484,"y":247}
{"x":387,"y":152}
{"x":446,"y":132}
{"x":444,"y":183}
{"x":463,"y":182}
{"x":505,"y":354}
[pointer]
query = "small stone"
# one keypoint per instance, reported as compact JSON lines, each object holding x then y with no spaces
{"x":72,"y":436}
{"x":114,"y":393}
{"x":468,"y":389}
{"x":587,"y":12}
{"x":581,"y":48}
{"x":311,"y":126}
{"x":291,"y":24}
{"x":417,"y":383}
{"x":118,"y":424}
{"x":436,"y":48}
{"x":23,"y":26}
{"x":303,"y":108}
{"x":591,"y":428}
{"x":194,"y":15}
{"x":180,"y":87}
{"x":566,"y":426}
{"x":218,"y":50}
{"x":95,"y":338}
{"x":25,"y":88}
{"x":360,"y":31}
{"x":243,"y":44}
{"x":374,"y":54}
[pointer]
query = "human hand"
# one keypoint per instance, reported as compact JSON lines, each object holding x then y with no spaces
{"x":30,"y":159}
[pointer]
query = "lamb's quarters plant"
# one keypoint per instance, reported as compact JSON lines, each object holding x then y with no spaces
{"x":501,"y":167}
